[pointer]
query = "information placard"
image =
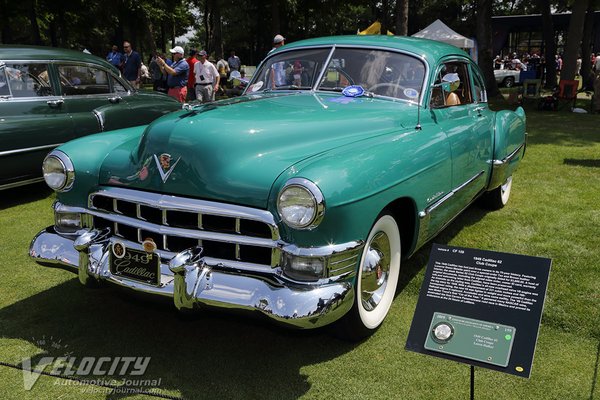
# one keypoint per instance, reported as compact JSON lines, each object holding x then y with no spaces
{"x":481,"y":307}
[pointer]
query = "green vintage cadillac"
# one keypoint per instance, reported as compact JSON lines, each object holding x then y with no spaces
{"x":49,"y":96}
{"x":296,"y":201}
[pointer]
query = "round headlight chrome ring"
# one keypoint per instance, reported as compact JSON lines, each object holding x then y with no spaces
{"x":67,"y":169}
{"x":317,"y":198}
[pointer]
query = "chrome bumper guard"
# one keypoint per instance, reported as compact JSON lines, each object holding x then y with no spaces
{"x":194,"y":281}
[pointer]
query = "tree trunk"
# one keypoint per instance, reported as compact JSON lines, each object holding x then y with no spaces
{"x":586,"y":67}
{"x":484,"y":45}
{"x":402,"y":17}
{"x":5,"y":23}
{"x":385,"y":17}
{"x":35,"y":27}
{"x":218,"y":31}
{"x":574,"y":39}
{"x":276,"y":21}
{"x":550,"y":45}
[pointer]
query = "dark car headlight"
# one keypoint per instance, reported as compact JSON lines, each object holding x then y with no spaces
{"x":301,"y":204}
{"x":58,"y":171}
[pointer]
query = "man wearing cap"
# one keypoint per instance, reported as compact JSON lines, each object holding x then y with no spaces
{"x":191,"y":83}
{"x":278,"y":41}
{"x":207,"y":79}
{"x":177,"y":74}
{"x":278,"y":68}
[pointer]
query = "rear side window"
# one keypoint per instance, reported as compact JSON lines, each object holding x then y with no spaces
{"x":25,"y":80}
{"x":83,"y":80}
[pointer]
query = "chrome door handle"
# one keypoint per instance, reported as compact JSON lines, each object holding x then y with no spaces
{"x":479,"y":110}
{"x":55,"y":103}
{"x":115,"y":99}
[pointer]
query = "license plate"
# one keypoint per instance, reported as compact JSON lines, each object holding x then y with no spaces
{"x":134,"y":264}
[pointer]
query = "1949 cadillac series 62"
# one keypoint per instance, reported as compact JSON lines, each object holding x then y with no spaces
{"x":297,"y":200}
{"x":49,"y":96}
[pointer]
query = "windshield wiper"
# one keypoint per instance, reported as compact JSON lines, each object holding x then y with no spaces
{"x":288,"y":87}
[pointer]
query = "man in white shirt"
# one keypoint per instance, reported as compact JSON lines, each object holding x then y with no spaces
{"x":207,"y":79}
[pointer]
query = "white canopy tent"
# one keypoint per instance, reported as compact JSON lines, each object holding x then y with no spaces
{"x":442,"y":33}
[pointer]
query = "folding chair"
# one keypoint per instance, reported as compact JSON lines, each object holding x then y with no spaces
{"x":567,"y":92}
{"x":532,"y":89}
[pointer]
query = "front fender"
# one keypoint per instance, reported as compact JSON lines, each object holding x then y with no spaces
{"x":87,"y":155}
{"x":359,"y":180}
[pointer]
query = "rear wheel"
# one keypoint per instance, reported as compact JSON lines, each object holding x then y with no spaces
{"x":376,"y":281}
{"x":498,"y":198}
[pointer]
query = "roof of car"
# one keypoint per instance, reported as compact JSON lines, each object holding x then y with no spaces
{"x":428,"y":49}
{"x":21,"y":52}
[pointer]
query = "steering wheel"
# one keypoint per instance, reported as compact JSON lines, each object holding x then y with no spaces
{"x":399,"y":88}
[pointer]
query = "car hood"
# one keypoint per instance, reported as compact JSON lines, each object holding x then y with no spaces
{"x":234,"y":150}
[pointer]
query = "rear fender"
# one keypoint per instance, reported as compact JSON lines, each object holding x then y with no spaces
{"x":510,"y":139}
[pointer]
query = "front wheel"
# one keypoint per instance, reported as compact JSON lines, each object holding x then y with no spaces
{"x":509,"y":82}
{"x":376,"y":281}
{"x":498,"y":198}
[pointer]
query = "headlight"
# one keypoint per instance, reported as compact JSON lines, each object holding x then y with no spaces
{"x":301,"y":204}
{"x":58,"y":171}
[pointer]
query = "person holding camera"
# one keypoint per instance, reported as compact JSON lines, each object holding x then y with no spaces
{"x":177,"y":74}
{"x":207,"y":79}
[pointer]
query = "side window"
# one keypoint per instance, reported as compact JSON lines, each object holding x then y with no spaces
{"x":83,"y":80}
{"x":478,"y":87}
{"x":26,"y":80}
{"x":452,"y":86}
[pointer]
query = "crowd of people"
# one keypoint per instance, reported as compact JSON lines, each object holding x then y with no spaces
{"x":195,"y":78}
{"x":536,"y":62}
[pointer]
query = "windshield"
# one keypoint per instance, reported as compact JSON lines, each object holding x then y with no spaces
{"x":379,"y":72}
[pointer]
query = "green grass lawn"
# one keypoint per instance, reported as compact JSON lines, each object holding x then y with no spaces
{"x":554,"y":212}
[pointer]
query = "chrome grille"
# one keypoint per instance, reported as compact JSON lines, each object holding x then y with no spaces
{"x":227,"y":232}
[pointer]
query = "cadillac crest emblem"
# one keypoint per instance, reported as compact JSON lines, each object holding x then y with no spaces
{"x":163,"y":162}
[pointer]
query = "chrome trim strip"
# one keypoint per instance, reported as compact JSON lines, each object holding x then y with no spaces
{"x":431,"y":208}
{"x":324,"y":251}
{"x":25,"y":150}
{"x":100,"y":119}
{"x":500,"y":167}
{"x":509,"y":157}
{"x":21,"y":183}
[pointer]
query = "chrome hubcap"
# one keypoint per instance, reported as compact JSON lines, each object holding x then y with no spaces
{"x":375,"y":271}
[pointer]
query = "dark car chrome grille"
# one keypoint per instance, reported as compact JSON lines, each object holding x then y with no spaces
{"x":224,"y":231}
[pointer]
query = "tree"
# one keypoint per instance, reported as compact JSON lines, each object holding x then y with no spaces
{"x":484,"y":44}
{"x":550,"y":50}
{"x":586,"y":68}
{"x":574,"y":37}
{"x":402,"y":17}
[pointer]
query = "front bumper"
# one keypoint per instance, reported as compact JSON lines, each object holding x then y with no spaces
{"x":193,"y":281}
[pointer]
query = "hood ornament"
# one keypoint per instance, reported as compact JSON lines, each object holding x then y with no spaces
{"x":163,"y":162}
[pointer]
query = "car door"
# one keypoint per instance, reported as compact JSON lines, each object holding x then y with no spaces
{"x":86,"y":88}
{"x":33,"y":120}
{"x":463,"y":121}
